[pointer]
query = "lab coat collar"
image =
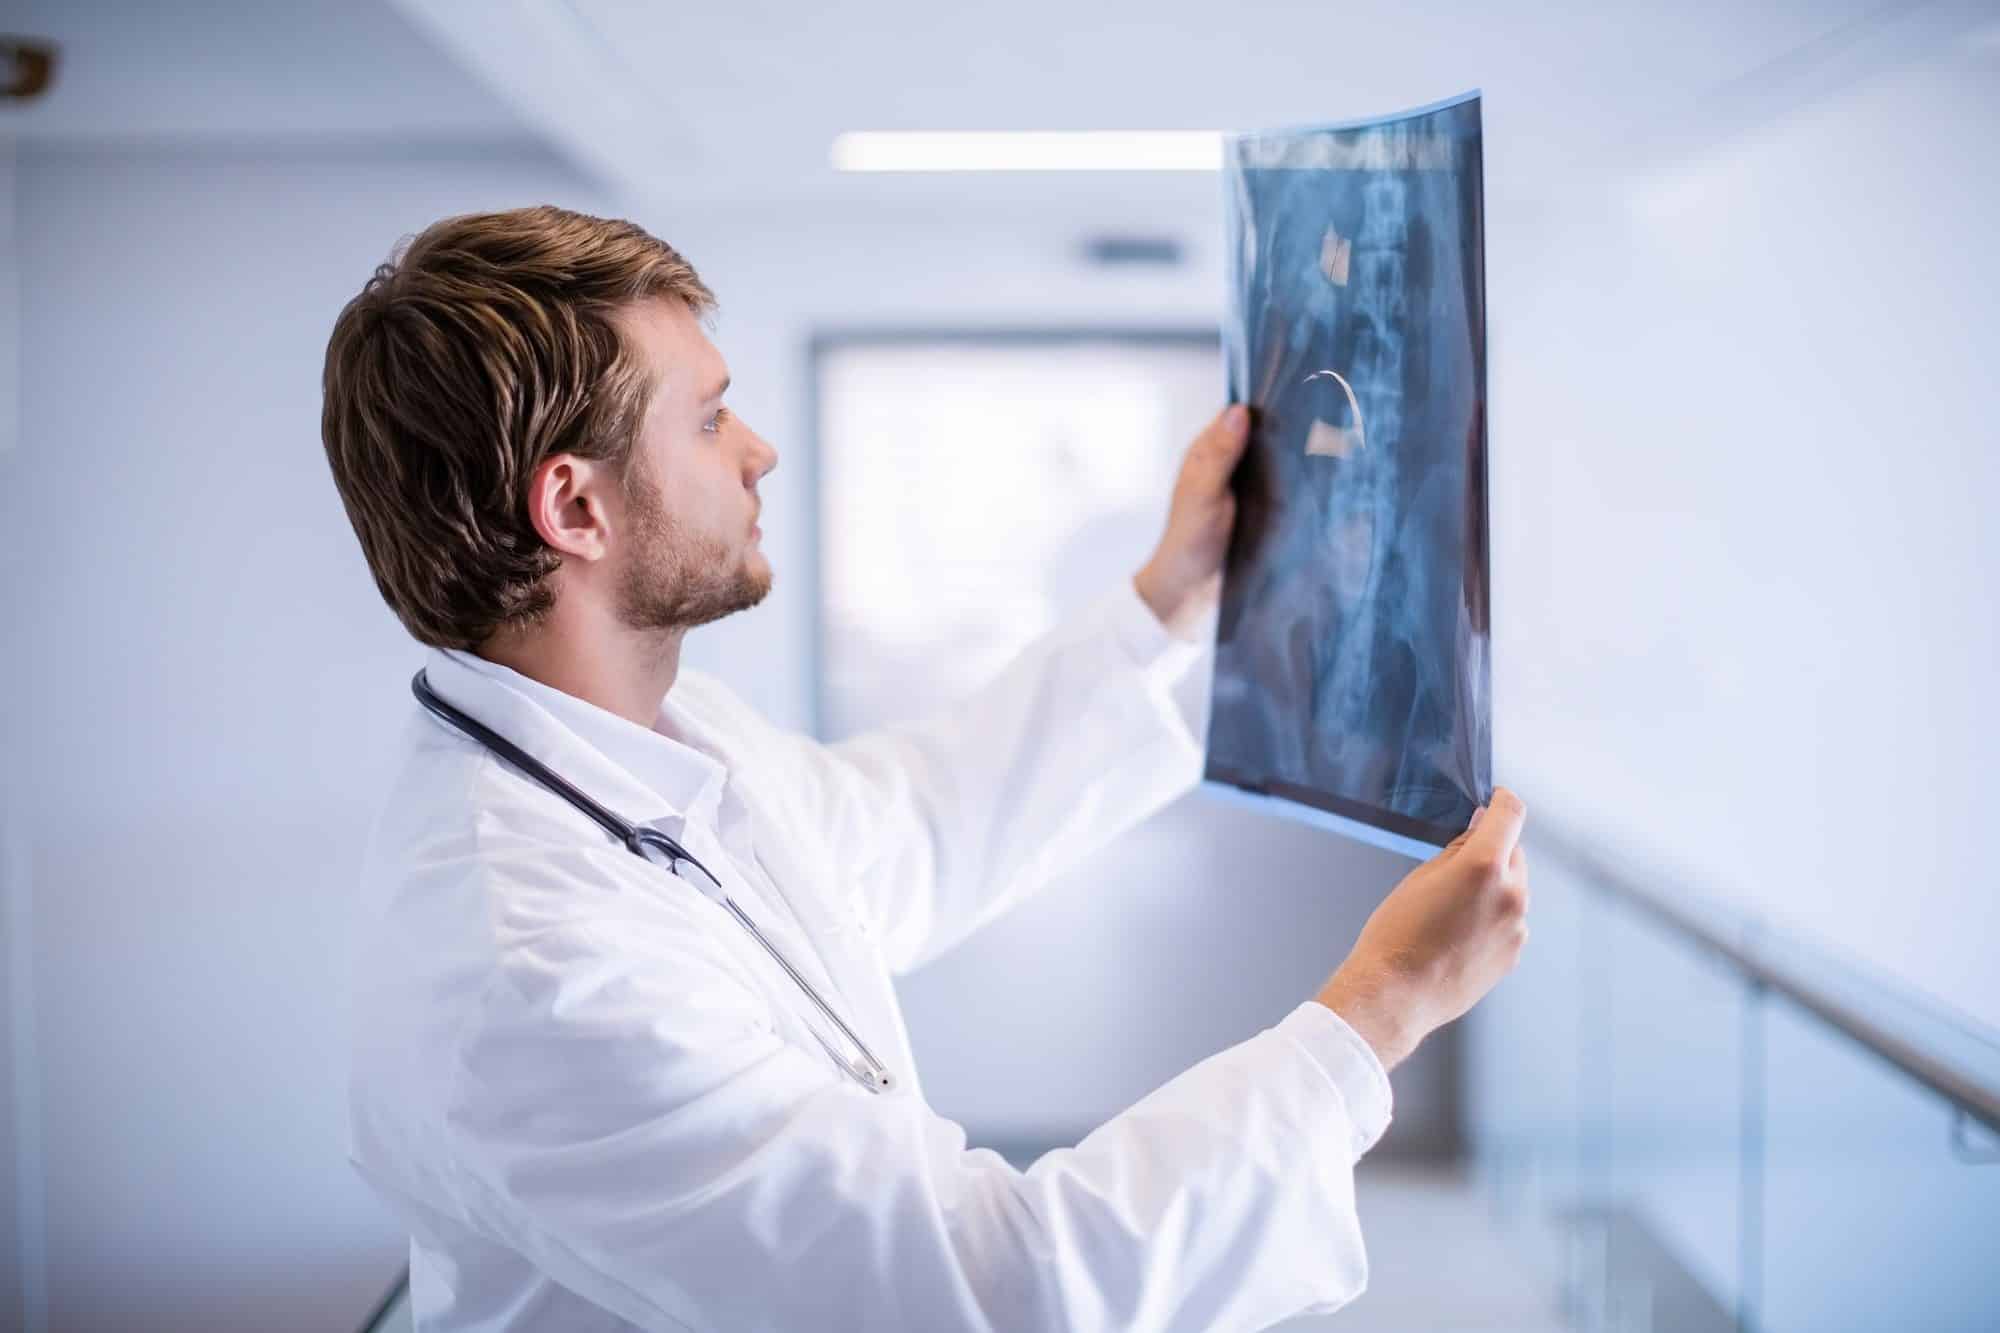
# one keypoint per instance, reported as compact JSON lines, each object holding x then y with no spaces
{"x":639,"y":774}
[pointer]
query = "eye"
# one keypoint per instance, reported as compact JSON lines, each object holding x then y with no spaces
{"x":714,"y":423}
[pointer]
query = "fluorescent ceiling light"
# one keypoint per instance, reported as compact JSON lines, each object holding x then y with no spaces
{"x":1029,"y":150}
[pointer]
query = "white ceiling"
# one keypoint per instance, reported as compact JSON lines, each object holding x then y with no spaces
{"x":199,"y":72}
{"x":743,"y":99}
{"x":735,"y":105}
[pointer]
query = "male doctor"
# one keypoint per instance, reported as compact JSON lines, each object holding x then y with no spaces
{"x":596,"y":1100}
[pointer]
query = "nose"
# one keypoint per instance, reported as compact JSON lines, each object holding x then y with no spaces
{"x":762,"y":459}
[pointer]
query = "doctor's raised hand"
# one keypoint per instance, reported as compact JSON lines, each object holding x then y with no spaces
{"x":1442,"y":938}
{"x":1183,"y":579}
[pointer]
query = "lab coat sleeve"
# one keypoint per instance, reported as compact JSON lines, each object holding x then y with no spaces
{"x":949,"y":822}
{"x":624,"y":1116}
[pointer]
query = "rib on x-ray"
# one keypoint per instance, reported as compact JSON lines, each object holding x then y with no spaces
{"x":1351,"y":669}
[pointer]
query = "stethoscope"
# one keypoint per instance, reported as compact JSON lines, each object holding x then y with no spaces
{"x":650,"y":845}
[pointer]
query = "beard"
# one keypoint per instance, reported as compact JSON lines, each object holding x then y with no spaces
{"x":674,"y":579}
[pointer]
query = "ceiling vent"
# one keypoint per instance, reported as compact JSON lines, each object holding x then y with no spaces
{"x":1121,"y":250}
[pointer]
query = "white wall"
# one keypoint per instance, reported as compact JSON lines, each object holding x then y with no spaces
{"x":1746,"y":635}
{"x":205,"y":686}
{"x":18,"y":1139}
{"x":1744,"y":487}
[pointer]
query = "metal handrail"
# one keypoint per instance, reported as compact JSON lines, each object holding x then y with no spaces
{"x":1971,"y":1095}
{"x":373,"y":1323}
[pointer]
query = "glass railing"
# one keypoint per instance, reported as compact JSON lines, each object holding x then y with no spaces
{"x":1694,"y":1123}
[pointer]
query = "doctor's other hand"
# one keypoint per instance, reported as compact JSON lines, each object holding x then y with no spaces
{"x":1183,"y":579}
{"x":1441,"y":939}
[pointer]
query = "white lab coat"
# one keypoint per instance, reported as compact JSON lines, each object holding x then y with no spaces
{"x":587,"y":1093}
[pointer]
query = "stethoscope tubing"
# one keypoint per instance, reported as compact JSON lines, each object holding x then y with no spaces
{"x":868,"y":1071}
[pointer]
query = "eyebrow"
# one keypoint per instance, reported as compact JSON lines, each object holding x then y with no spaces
{"x":719,"y":390}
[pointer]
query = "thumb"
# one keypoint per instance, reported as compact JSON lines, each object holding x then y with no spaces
{"x":1466,"y":832}
{"x":1222,"y":442}
{"x":1496,"y":833}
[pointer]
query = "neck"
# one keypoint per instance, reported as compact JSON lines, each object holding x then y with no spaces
{"x":620,"y":669}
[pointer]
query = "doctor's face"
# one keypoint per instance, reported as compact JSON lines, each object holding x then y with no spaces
{"x":690,"y":549}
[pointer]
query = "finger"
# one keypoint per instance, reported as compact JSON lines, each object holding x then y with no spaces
{"x":1499,"y":830}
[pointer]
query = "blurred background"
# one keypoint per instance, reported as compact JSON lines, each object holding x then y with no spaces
{"x":1741,"y":283}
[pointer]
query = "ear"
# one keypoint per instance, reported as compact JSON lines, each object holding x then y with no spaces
{"x":567,"y":505}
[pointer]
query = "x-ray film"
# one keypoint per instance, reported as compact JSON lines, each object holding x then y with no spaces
{"x":1352,"y":677}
